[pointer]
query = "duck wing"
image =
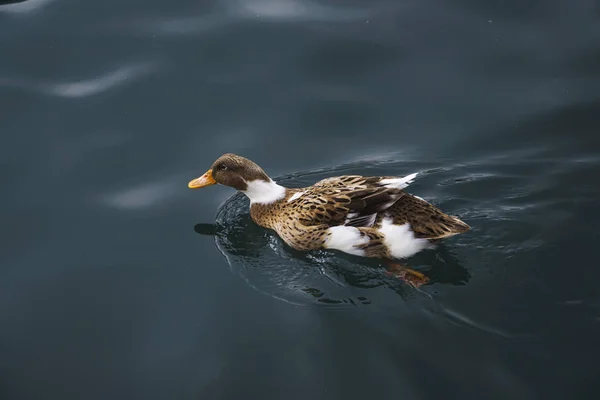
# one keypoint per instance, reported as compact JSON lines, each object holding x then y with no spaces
{"x":351,"y":206}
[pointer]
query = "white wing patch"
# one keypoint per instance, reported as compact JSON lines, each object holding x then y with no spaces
{"x":398,"y":183}
{"x":295,"y":196}
{"x":401,"y":240}
{"x":345,"y":238}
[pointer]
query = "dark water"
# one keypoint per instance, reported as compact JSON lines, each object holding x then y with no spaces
{"x":108,"y":109}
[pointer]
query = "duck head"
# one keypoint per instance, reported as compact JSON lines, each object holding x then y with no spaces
{"x":241,"y":174}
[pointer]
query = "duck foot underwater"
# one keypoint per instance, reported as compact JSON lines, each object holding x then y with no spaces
{"x":367,"y":216}
{"x":408,"y":275}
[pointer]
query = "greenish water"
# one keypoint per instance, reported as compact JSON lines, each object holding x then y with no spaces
{"x":108,"y":109}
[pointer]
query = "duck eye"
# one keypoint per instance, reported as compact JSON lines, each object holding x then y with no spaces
{"x":222,"y":167}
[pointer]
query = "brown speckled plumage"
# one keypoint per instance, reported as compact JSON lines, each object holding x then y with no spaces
{"x":302,"y":217}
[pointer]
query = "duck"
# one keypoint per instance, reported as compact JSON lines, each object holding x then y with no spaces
{"x":366,"y":216}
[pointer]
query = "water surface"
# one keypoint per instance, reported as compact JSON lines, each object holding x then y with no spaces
{"x":108,"y":109}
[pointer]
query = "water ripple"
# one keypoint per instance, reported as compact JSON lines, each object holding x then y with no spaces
{"x":25,"y":6}
{"x":508,"y":206}
{"x":285,"y":10}
{"x":229,"y":12}
{"x":457,"y":317}
{"x":100,"y":84}
{"x":143,"y":195}
{"x":184,"y":25}
{"x":85,"y":87}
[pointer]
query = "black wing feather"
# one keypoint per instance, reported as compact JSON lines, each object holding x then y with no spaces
{"x":367,"y":203}
{"x":356,"y":206}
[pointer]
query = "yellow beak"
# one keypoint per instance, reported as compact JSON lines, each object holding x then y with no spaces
{"x":205,"y":180}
